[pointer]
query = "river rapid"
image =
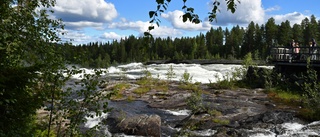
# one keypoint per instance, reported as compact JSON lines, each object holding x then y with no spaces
{"x":200,"y":73}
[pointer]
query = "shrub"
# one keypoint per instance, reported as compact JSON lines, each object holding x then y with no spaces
{"x":194,"y":102}
{"x":170,"y":73}
{"x":186,"y":78}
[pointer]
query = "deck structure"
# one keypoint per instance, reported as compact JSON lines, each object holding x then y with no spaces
{"x":288,"y":61}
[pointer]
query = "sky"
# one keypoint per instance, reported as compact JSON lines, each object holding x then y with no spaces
{"x":107,"y":20}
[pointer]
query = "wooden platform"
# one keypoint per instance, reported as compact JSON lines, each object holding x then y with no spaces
{"x":286,"y":61}
{"x":281,"y":54}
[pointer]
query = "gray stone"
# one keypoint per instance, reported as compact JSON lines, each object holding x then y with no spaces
{"x":140,"y":125}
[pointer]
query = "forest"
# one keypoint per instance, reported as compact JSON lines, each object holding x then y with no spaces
{"x":217,"y":43}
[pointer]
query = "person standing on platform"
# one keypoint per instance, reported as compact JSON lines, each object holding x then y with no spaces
{"x":293,"y":50}
{"x":296,"y":51}
{"x":313,"y":49}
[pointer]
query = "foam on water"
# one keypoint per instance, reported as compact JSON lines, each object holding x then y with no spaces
{"x":207,"y":132}
{"x":114,"y":70}
{"x":184,"y":112}
{"x":131,"y":65}
{"x":290,"y":129}
{"x":93,"y":121}
{"x":85,"y":71}
{"x":258,"y":132}
{"x":199,"y":73}
{"x":285,"y":130}
{"x":292,"y":126}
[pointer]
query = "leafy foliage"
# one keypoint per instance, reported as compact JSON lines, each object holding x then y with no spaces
{"x":195,"y":102}
{"x":87,"y":101}
{"x":27,"y":48}
{"x":189,"y":14}
{"x":33,"y":74}
{"x":186,"y":78}
{"x":310,"y":87}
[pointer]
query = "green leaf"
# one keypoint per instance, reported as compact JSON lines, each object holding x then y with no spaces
{"x":146,"y":33}
{"x":196,"y":21}
{"x":151,"y":28}
{"x":231,"y":6}
{"x":186,"y":17}
{"x":184,"y":7}
{"x":190,"y":9}
{"x":151,"y":13}
{"x":160,"y":1}
{"x":164,"y":7}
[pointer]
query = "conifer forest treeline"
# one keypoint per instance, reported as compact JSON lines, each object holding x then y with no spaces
{"x":217,"y":43}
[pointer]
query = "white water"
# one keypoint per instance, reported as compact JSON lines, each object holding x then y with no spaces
{"x":184,"y":112}
{"x":289,"y":130}
{"x":95,"y":120}
{"x":200,"y":73}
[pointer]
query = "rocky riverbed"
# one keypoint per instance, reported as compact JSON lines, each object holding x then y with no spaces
{"x":180,"y":111}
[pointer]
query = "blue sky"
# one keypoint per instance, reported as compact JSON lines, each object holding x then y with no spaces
{"x":105,"y":20}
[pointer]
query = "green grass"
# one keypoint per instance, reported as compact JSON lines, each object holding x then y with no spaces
{"x":148,"y":83}
{"x":214,"y":113}
{"x":288,"y":96}
{"x":118,"y":90}
{"x":221,"y":121}
{"x":130,"y":98}
{"x":141,"y":90}
{"x":284,"y":96}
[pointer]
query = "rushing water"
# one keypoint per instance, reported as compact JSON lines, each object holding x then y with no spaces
{"x":199,"y":73}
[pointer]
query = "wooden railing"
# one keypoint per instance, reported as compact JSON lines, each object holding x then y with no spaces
{"x":287,"y":54}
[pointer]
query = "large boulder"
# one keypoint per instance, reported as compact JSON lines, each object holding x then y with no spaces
{"x":138,"y":124}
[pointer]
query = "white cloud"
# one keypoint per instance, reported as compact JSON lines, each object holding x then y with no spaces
{"x":247,"y":11}
{"x":112,"y":36}
{"x":76,"y":37}
{"x":142,"y":27}
{"x":85,"y":11}
{"x":139,"y":26}
{"x":294,"y":17}
{"x":175,"y":18}
{"x":164,"y":31}
{"x":274,"y":8}
{"x":83,"y":24}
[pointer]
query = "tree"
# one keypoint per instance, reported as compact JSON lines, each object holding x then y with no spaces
{"x":271,"y":32}
{"x":189,"y":14}
{"x":259,"y":42}
{"x":305,"y":24}
{"x":27,"y":47}
{"x":248,"y":41}
{"x":297,"y":33}
{"x":285,"y":33}
{"x":314,"y":27}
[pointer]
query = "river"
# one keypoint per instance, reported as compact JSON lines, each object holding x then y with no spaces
{"x":200,"y":73}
